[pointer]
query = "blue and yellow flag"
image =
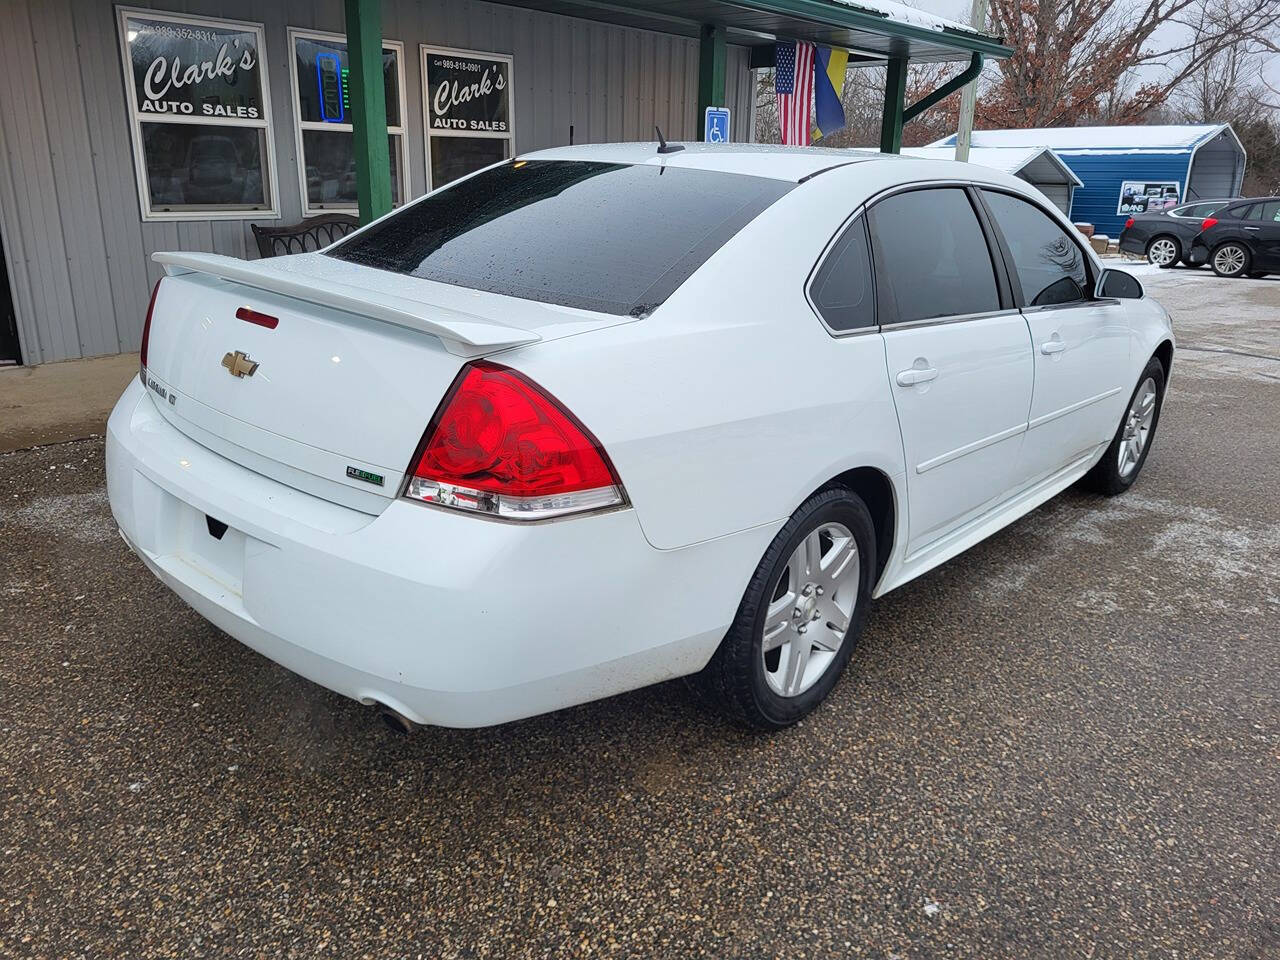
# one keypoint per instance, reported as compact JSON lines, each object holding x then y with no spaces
{"x":829,"y":71}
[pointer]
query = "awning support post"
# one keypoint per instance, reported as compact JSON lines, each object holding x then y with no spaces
{"x":712,"y":60}
{"x":969,"y":74}
{"x":895,"y":92}
{"x":368,"y":108}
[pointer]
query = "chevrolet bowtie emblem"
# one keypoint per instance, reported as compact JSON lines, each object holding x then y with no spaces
{"x":238,"y":364}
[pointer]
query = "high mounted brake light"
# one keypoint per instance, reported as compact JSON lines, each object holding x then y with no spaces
{"x":146,"y":334}
{"x":501,"y":445}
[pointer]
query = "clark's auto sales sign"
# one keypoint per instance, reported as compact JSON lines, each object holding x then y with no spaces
{"x":195,"y":69}
{"x":468,"y":94}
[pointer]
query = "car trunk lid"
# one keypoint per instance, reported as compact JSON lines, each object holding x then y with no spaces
{"x":318,"y":373}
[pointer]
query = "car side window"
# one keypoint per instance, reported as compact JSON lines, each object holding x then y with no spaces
{"x":1198,"y":211}
{"x":1253,"y":213}
{"x":842,"y":290}
{"x":931,"y":256}
{"x":1049,"y":265}
{"x":1270,"y":211}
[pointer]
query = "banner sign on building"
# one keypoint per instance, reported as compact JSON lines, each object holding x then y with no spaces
{"x":468,"y":94}
{"x":1139,"y":196}
{"x":194,"y":69}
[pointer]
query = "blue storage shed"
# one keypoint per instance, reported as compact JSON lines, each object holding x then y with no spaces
{"x":1127,"y":170}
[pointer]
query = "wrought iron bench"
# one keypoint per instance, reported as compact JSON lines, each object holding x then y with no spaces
{"x":311,"y":234}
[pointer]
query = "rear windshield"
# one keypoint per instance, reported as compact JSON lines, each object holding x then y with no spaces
{"x":615,"y":238}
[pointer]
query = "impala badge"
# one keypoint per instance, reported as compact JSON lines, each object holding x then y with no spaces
{"x":238,"y":364}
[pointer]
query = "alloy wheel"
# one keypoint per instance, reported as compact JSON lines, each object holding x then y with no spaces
{"x":1162,"y":252}
{"x":1137,"y":427}
{"x":811,"y":608}
{"x":1230,"y":259}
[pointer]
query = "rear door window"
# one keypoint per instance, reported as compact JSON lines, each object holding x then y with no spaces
{"x":1268,"y":212}
{"x":610,"y":237}
{"x":1198,"y":211}
{"x":931,"y":256}
{"x":842,"y":290}
{"x":1048,"y":264}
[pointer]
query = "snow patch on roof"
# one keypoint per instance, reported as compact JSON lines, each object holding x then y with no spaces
{"x":1006,"y":159}
{"x":901,"y":13}
{"x":1149,"y":139}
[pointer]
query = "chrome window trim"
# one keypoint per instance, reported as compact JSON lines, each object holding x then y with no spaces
{"x":1072,"y":305}
{"x":949,"y":318}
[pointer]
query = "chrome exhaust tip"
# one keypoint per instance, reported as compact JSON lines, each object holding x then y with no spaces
{"x":396,"y":721}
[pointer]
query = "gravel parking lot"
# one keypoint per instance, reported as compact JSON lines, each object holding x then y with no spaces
{"x":1065,"y":742}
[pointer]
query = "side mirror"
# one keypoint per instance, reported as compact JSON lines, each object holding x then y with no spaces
{"x":1118,"y":285}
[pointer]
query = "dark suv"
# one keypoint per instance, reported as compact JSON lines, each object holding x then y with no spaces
{"x":1241,"y":240}
{"x":1164,"y":236}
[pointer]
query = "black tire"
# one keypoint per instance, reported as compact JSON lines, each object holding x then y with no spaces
{"x":735,"y":680}
{"x":1244,"y":260}
{"x":1105,"y":477}
{"x":1177,"y":251}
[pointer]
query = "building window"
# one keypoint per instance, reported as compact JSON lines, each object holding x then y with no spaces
{"x":322,"y":114}
{"x":199,"y":109}
{"x":467,"y":110}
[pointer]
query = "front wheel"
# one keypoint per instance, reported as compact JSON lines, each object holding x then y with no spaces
{"x":1120,"y":465}
{"x":1230,"y":260}
{"x":800,"y":618}
{"x":1164,"y":252}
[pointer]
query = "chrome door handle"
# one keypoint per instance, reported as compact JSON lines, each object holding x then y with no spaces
{"x":1050,"y":347}
{"x":1253,"y":228}
{"x":909,"y":378}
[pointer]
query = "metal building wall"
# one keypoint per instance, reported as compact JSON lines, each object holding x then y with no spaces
{"x":1102,"y":175}
{"x":1217,"y":170}
{"x":77,"y":249}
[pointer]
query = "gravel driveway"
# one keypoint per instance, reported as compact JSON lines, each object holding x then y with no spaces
{"x":1065,"y":742}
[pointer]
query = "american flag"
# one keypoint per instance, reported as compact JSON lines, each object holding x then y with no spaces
{"x":793,"y":82}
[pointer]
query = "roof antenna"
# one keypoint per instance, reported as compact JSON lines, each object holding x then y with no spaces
{"x":663,"y":146}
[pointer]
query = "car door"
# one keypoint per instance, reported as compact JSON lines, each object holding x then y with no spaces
{"x":1081,"y":344}
{"x":1262,"y":230}
{"x":958,"y":355}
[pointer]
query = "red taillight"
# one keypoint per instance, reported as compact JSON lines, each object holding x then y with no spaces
{"x":1208,"y":222}
{"x":261,"y":319}
{"x":1128,"y":223}
{"x":499,"y":444}
{"x":146,"y":334}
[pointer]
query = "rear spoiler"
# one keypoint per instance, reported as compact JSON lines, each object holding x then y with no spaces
{"x":464,"y":334}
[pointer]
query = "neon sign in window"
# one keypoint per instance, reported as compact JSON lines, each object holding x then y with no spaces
{"x":331,"y":78}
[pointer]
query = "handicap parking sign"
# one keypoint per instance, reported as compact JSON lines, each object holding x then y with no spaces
{"x":716,"y":128}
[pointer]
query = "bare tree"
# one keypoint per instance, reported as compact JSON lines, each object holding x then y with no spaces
{"x":1074,"y":58}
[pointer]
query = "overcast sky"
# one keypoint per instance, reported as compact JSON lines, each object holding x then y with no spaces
{"x":959,"y":10}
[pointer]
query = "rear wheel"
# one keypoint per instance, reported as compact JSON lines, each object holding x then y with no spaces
{"x":1121,"y":464}
{"x":1164,"y":251}
{"x":1230,"y":260}
{"x":800,"y":617}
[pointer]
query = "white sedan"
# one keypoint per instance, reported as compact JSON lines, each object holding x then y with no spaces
{"x":602,"y":416}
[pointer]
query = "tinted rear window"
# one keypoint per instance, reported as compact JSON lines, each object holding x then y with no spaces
{"x":933,"y":255}
{"x":617,"y":238}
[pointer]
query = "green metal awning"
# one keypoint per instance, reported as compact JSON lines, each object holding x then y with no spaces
{"x":756,"y":22}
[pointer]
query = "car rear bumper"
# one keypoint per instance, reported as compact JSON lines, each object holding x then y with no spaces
{"x":1132,"y":244}
{"x":449,"y":619}
{"x":1199,"y":254}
